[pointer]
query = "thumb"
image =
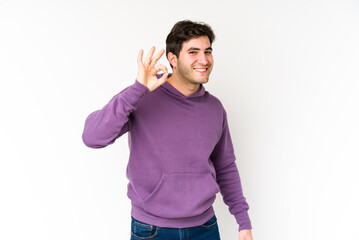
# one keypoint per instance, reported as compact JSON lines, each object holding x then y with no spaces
{"x":163,"y":79}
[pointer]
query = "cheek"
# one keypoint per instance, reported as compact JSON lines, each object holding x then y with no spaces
{"x":191,"y":59}
{"x":210,"y":59}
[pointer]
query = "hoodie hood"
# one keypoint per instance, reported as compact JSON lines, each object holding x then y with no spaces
{"x":171,"y":89}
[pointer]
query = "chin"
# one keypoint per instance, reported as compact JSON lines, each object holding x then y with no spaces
{"x":202,"y":81}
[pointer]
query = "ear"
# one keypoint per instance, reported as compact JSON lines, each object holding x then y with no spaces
{"x":172,"y":59}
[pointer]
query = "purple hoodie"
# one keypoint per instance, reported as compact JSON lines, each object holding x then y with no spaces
{"x":181,"y":154}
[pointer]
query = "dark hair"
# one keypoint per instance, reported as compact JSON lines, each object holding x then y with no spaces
{"x":185,"y":30}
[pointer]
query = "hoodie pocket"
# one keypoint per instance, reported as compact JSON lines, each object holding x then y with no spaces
{"x":182,"y":195}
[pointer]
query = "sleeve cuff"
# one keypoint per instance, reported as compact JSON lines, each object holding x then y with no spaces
{"x":245,"y":226}
{"x":243,"y":221}
{"x":140,"y":86}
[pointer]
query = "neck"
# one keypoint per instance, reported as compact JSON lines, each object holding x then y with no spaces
{"x":183,"y":86}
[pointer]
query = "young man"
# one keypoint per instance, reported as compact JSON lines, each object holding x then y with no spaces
{"x":181,"y":153}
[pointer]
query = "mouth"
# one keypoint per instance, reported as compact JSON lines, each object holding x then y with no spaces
{"x":201,"y":70}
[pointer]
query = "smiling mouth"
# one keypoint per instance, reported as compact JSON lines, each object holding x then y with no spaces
{"x":201,"y":70}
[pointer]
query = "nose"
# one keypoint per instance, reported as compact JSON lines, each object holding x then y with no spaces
{"x":202,"y":59}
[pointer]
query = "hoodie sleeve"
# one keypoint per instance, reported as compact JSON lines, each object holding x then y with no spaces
{"x":104,"y":126}
{"x":228,"y":179}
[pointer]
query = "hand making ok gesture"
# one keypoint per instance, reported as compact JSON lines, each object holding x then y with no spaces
{"x":147,"y":71}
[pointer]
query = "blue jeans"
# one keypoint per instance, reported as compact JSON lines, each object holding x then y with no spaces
{"x":144,"y":231}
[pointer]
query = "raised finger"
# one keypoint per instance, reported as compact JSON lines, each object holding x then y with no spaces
{"x":149,"y":55}
{"x":157,"y":57}
{"x":139,"y":58}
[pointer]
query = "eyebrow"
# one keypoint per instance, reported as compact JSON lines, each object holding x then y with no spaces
{"x":197,"y":49}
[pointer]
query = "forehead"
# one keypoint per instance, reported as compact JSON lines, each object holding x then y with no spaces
{"x":201,"y":42}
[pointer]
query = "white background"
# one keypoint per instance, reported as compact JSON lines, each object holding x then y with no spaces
{"x":286,"y":71}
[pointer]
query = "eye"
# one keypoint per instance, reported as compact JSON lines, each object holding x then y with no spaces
{"x":192,"y":52}
{"x":208,"y":52}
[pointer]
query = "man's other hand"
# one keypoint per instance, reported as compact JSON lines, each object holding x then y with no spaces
{"x":245,"y":234}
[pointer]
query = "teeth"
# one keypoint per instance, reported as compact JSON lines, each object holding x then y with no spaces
{"x":200,"y":70}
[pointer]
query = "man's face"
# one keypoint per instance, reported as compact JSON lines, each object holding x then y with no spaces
{"x":195,"y":61}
